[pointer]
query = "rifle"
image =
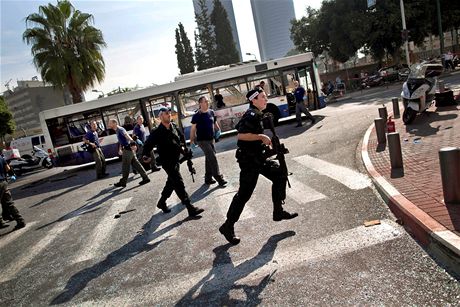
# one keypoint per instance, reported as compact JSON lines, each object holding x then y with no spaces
{"x":278,"y":148}
{"x":187,"y":155}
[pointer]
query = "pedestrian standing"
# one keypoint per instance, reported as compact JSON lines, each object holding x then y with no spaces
{"x":128,"y":157}
{"x":252,"y":162}
{"x":170,"y":143}
{"x":204,"y":125}
{"x":139,"y":132}
{"x":8,"y":208}
{"x":219,"y":99}
{"x":91,"y":139}
{"x":300,"y":107}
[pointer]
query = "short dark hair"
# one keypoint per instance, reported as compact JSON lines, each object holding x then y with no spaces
{"x":200,"y":100}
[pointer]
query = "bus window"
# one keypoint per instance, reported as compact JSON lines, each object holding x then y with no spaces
{"x":58,"y":131}
{"x":154,"y":104}
{"x":233,"y":91}
{"x":289,"y":78}
{"x":189,"y":100}
{"x":125,"y":114}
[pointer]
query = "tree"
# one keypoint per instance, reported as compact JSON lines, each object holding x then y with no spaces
{"x":226,"y":52}
{"x":184,"y":51}
{"x":205,"y":42}
{"x":66,"y":47}
{"x":7,"y":124}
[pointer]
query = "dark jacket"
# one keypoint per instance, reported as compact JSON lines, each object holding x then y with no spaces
{"x":168,"y":142}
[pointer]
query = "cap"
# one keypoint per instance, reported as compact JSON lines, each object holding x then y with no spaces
{"x":253,"y":93}
{"x":164,"y":109}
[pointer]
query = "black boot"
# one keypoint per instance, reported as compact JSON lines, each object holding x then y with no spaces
{"x":228,"y":231}
{"x":280,"y":214}
{"x":20,"y":224}
{"x":163,"y":206}
{"x":3,"y":224}
{"x":193,"y":211}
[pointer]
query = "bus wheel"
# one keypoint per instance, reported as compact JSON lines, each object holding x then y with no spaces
{"x":275,"y":112}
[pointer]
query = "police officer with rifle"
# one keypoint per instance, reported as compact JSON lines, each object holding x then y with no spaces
{"x":252,"y":156}
{"x":9,"y":209}
{"x":170,"y":143}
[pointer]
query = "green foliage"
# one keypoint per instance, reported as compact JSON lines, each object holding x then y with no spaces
{"x":226,"y":52}
{"x":205,"y":42}
{"x":66,"y":47}
{"x":184,"y":51}
{"x":7,"y":124}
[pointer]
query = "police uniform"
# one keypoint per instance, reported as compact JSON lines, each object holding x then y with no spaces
{"x":169,"y":143}
{"x":252,"y":162}
{"x":97,"y":153}
{"x":8,"y":208}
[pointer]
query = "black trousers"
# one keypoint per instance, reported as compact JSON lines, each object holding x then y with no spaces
{"x":8,"y":208}
{"x":251,"y":166}
{"x":174,"y":183}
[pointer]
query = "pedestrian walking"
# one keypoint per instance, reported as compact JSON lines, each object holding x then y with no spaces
{"x":204,"y":125}
{"x":300,"y":107}
{"x":9,"y":210}
{"x":170,"y":143}
{"x":128,"y":157}
{"x":91,"y":139}
{"x":139,"y":132}
{"x":250,"y":156}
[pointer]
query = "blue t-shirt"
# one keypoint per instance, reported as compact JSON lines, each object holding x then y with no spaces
{"x":122,"y":139}
{"x":204,"y":125}
{"x":139,"y":131}
{"x":92,"y":137}
{"x":299,"y":93}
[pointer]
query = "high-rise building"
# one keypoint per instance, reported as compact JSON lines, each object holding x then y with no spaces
{"x":228,"y":6}
{"x":272,"y":20}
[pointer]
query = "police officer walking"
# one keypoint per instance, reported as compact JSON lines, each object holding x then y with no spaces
{"x":91,"y":138}
{"x":250,"y":157}
{"x":300,"y":107}
{"x":204,"y":124}
{"x":170,"y":143}
{"x":139,"y":132}
{"x":128,"y":157}
{"x":8,"y":207}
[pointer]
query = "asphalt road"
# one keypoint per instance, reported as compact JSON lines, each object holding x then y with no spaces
{"x":74,"y":252}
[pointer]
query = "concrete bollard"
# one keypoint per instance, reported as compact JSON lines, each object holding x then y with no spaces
{"x":380,"y":130}
{"x":449,"y":160}
{"x":441,"y":87}
{"x":395,"y":102}
{"x":383,"y":113}
{"x":394,"y":147}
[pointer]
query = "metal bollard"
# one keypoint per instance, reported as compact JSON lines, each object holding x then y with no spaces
{"x":380,"y":130}
{"x":441,"y":87}
{"x":394,"y":147}
{"x":449,"y":160}
{"x":383,"y":113}
{"x":395,"y":102}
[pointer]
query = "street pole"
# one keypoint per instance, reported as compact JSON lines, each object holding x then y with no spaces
{"x":406,"y":43}
{"x":441,"y":34}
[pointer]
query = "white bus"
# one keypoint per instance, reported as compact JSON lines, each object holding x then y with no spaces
{"x":65,"y":127}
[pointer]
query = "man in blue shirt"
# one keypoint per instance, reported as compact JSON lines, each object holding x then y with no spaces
{"x":8,"y":208}
{"x":128,"y":157}
{"x":299,"y":94}
{"x":204,"y":124}
{"x":91,"y":138}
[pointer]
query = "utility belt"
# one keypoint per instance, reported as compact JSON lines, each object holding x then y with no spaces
{"x":127,"y":147}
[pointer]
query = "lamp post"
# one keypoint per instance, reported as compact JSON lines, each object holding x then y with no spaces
{"x":248,"y":53}
{"x":98,"y":91}
{"x":406,"y":43}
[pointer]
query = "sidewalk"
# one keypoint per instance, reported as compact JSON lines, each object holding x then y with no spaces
{"x":416,"y":196}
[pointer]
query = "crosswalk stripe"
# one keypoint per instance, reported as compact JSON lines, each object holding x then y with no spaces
{"x":348,"y":177}
{"x":102,"y":230}
{"x":250,"y":269}
{"x":302,"y":193}
{"x":31,"y":253}
{"x":8,"y":238}
{"x":224,"y":200}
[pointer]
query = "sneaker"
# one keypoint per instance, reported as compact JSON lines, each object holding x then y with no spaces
{"x":228,"y":232}
{"x":120,"y":185}
{"x":20,"y":224}
{"x":211,"y":181}
{"x":222,"y":182}
{"x":194,"y":211}
{"x":164,"y":207}
{"x":283,"y":215}
{"x":156,"y":169}
{"x":144,"y":181}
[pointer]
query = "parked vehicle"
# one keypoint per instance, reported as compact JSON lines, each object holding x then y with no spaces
{"x":27,"y":143}
{"x":419,"y":90}
{"x":27,"y":163}
{"x":372,"y":80}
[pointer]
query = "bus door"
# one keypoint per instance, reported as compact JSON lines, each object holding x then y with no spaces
{"x":289,"y":76}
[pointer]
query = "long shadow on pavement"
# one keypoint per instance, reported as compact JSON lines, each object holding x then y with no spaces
{"x":422,"y":123}
{"x":222,"y":278}
{"x":139,"y":244}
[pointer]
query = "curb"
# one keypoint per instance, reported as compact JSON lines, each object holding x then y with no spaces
{"x":430,"y":233}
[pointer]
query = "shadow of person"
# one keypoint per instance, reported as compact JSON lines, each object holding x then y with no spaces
{"x":422,"y":124}
{"x":222,"y":278}
{"x":142,"y":242}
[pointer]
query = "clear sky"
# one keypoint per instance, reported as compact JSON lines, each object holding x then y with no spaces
{"x":139,"y":35}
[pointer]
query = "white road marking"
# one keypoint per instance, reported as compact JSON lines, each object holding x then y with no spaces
{"x":302,"y":193}
{"x":224,"y":200}
{"x":102,"y":230}
{"x":13,"y":268}
{"x":348,"y":177}
{"x":323,"y":249}
{"x":162,"y":231}
{"x":8,"y":238}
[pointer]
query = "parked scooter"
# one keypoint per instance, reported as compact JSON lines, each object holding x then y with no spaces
{"x":419,"y":90}
{"x":27,"y":163}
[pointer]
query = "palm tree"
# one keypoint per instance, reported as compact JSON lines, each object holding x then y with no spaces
{"x":66,"y":47}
